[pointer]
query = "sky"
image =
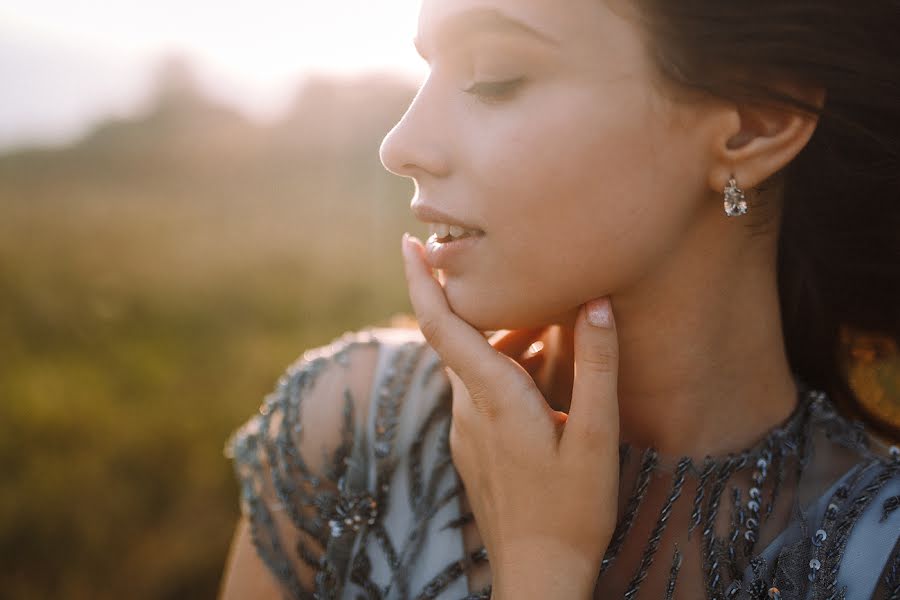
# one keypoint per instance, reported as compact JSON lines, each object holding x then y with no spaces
{"x":65,"y":65}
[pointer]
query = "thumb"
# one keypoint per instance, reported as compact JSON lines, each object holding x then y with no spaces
{"x":594,"y":411}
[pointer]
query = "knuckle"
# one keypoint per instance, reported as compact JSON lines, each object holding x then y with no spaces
{"x":482,"y":400}
{"x":487,"y":410}
{"x":601,"y":359}
{"x":477,"y":389}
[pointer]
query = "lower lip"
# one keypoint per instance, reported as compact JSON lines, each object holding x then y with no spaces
{"x":441,"y":256}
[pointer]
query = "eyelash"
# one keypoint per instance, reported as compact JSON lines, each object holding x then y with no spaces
{"x":494,"y":90}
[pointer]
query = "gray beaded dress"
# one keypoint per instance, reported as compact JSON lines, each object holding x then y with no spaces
{"x":346,"y":478}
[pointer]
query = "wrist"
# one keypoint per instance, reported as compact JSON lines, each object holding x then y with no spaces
{"x":544,"y":573}
{"x":542,"y":583}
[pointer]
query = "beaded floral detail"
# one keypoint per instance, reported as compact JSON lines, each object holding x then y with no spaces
{"x":353,"y":512}
{"x":343,"y":509}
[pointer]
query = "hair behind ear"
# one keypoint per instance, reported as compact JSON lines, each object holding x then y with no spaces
{"x":839,"y":251}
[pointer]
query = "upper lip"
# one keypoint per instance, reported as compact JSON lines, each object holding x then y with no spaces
{"x":429,"y":214}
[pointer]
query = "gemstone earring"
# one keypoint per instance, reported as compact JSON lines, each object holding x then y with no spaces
{"x":735,"y":204}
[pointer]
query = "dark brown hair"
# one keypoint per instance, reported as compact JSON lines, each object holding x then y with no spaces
{"x":839,"y":243}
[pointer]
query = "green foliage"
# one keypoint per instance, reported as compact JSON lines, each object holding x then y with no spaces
{"x":155,"y":280}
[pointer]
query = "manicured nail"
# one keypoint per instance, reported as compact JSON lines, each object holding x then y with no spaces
{"x":599,"y":313}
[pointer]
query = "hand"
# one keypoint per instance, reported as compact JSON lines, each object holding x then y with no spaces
{"x":543,"y":485}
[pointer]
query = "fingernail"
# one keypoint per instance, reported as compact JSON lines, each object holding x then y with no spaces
{"x":599,"y":313}
{"x":404,"y":243}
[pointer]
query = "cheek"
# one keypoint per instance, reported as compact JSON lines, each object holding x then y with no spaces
{"x":575,"y":178}
{"x":572,"y":192}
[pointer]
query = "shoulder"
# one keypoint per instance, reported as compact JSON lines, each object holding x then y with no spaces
{"x":856,"y":535}
{"x":308,"y":445}
{"x":341,"y":376}
{"x":859,"y":532}
{"x":355,"y":357}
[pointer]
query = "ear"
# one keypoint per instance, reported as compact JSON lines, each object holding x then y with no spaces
{"x":755,"y":142}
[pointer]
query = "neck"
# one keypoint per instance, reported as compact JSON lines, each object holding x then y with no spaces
{"x":702,"y":364}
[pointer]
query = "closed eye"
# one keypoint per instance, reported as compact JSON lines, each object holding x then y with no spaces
{"x":494,"y":90}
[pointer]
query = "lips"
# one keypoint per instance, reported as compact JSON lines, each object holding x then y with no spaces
{"x":451,"y":254}
{"x":430,"y":214}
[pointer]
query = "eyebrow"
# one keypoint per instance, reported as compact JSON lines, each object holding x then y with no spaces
{"x":476,"y":21}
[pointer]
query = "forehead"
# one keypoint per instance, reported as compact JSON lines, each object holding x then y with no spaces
{"x":567,"y":20}
{"x":435,"y":11}
{"x":573,"y":23}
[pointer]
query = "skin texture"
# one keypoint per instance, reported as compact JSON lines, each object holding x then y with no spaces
{"x":511,"y":485}
{"x":592,"y":178}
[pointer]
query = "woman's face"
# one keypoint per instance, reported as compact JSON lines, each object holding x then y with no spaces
{"x":542,"y":125}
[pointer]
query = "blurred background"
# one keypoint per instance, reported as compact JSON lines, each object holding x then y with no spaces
{"x":190,"y":196}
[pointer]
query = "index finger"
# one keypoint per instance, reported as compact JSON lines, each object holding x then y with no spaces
{"x":462,"y":348}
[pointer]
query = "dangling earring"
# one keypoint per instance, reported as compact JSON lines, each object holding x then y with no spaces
{"x":735,"y":205}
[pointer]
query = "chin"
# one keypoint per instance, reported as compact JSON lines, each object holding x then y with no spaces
{"x":489,"y":311}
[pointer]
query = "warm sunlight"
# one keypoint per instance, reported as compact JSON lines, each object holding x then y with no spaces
{"x":225,"y":372}
{"x":97,"y":55}
{"x":261,"y":38}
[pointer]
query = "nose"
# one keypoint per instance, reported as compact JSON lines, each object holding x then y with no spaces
{"x":417,"y":144}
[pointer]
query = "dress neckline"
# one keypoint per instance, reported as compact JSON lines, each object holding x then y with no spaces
{"x":788,"y":434}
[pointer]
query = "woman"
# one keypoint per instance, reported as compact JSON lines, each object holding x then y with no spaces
{"x":666,"y":211}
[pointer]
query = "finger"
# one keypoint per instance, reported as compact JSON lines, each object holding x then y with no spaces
{"x":469,"y":414}
{"x":461,"y":347}
{"x":533,"y":363}
{"x":514,"y":343}
{"x":539,"y":368}
{"x":525,"y":347}
{"x":594,"y":412}
{"x":457,"y":386}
